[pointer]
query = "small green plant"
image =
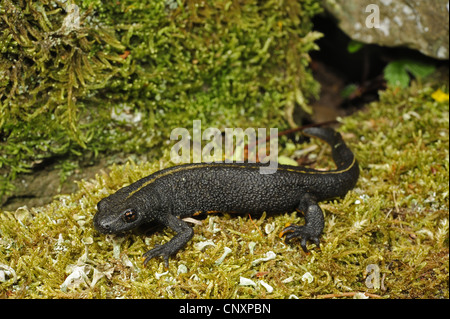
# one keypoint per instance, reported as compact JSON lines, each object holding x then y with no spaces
{"x":354,"y":46}
{"x":397,"y":73}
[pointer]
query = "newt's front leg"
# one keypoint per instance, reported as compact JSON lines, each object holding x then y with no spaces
{"x":184,"y":234}
{"x":314,"y":223}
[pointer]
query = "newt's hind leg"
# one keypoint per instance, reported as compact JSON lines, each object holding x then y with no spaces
{"x":314,"y":223}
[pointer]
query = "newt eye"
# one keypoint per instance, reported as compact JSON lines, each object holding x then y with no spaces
{"x":129,"y":216}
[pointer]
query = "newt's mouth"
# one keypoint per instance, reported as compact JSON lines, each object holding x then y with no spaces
{"x":103,"y":224}
{"x":100,"y":226}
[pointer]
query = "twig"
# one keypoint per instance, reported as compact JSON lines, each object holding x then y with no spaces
{"x":255,"y":225}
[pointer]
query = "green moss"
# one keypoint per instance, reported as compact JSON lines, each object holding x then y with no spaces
{"x":395,"y":219}
{"x":81,"y":78}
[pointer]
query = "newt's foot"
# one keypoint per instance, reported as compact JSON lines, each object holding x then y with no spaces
{"x":159,"y":250}
{"x":303,"y":233}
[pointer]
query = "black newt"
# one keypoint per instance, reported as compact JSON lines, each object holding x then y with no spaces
{"x":169,"y":195}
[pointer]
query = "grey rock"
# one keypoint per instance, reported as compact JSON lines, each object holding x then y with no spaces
{"x":422,"y":25}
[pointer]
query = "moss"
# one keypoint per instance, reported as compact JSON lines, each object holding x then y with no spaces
{"x":82,"y":77}
{"x":396,"y":220}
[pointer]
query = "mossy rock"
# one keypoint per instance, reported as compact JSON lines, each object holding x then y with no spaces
{"x":82,"y":78}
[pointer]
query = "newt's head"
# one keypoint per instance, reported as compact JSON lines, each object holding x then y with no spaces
{"x":117,"y":213}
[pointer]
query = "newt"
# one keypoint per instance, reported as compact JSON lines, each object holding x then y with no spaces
{"x":169,"y":195}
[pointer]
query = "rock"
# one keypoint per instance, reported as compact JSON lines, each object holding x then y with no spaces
{"x":417,"y":24}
